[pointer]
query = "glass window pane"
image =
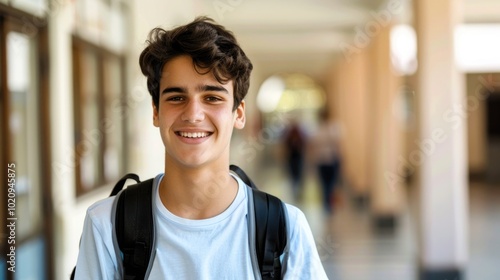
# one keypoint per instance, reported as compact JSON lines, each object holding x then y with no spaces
{"x":24,"y":130}
{"x":90,"y":138}
{"x":113,"y":124}
{"x":30,"y":260}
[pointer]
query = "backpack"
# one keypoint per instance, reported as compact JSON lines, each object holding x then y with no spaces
{"x":134,"y":227}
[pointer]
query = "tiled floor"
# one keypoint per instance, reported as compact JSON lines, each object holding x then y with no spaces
{"x":351,"y":250}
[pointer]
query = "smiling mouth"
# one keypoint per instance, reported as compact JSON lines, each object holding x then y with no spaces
{"x":193,"y":134}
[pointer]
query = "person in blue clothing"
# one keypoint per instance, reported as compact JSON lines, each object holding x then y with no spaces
{"x":198,"y":76}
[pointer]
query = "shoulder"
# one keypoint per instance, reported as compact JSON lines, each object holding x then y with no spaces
{"x":295,"y":215}
{"x":96,"y":258}
{"x":299,"y":231}
{"x":99,"y":213}
{"x":98,"y":226}
{"x":101,"y":207}
{"x":303,"y":260}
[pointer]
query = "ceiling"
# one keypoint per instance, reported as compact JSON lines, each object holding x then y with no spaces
{"x":281,"y":26}
{"x":288,"y":35}
{"x":307,"y":35}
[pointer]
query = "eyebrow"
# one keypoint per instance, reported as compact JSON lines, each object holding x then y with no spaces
{"x":200,"y":88}
{"x":174,"y":89}
{"x":212,"y":88}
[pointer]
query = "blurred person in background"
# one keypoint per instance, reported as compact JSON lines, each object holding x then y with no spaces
{"x":295,"y":143}
{"x":324,"y":152}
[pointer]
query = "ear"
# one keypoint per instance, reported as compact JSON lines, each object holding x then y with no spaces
{"x":239,"y":116}
{"x":156,"y":122}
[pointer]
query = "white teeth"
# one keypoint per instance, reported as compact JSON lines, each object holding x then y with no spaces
{"x":193,"y":134}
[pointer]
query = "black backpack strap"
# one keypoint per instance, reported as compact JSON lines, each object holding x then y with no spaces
{"x":134,"y":228}
{"x":270,"y":228}
{"x":116,"y":189}
{"x":243,"y":176}
{"x":119,"y":185}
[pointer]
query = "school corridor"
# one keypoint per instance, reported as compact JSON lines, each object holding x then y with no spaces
{"x":395,"y":103}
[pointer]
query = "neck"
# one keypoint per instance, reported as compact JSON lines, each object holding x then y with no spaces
{"x":197,"y":193}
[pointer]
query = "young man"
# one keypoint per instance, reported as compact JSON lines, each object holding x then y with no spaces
{"x":198,"y":76}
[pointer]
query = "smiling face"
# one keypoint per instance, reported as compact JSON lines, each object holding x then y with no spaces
{"x":195,"y":115}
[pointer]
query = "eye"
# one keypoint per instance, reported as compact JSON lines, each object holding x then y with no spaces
{"x":213,"y":98}
{"x":175,"y":98}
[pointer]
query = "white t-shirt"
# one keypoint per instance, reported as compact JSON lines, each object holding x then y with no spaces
{"x":214,"y":248}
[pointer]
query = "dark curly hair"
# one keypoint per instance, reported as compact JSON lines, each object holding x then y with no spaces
{"x":212,"y":47}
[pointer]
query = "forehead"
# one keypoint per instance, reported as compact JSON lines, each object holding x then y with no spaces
{"x":181,"y":70}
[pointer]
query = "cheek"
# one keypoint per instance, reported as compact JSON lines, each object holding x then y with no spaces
{"x":228,"y":117}
{"x":167,"y":115}
{"x":222,"y":113}
{"x":165,"y":122}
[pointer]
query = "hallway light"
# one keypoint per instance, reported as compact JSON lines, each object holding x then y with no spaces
{"x":289,"y":92}
{"x":18,"y":52}
{"x":404,"y":49}
{"x":270,"y":93}
{"x":477,"y":47}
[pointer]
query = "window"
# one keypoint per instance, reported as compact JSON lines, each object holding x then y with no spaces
{"x":25,"y":145}
{"x":98,"y":77}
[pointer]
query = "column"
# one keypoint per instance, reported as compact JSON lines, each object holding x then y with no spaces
{"x":441,"y":153}
{"x":350,"y":105}
{"x":386,"y":136}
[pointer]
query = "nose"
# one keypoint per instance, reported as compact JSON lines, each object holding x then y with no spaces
{"x":193,"y":112}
